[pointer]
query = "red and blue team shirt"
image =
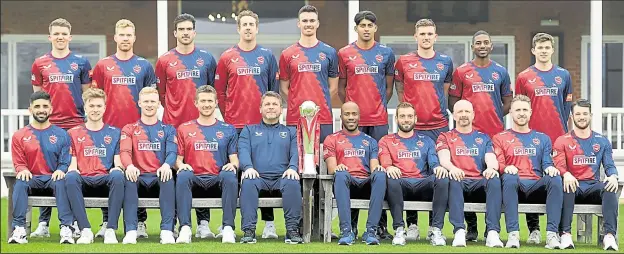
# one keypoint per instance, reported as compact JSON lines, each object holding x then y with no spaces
{"x":206,"y":148}
{"x":308,"y":70}
{"x":122,"y":80}
{"x":467,"y":150}
{"x":415,"y":156}
{"x":40,"y":151}
{"x":366,"y":71}
{"x":583,"y":157}
{"x":551,"y":98}
{"x":94,"y":150}
{"x":485,"y":88}
{"x":148,"y":147}
{"x":63,"y":78}
{"x":177,"y":78}
{"x":352,"y":150}
{"x":529,"y":152}
{"x":423,"y":86}
{"x":241,"y":80}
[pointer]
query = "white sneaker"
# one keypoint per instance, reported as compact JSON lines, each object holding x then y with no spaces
{"x":269,"y":231}
{"x":86,"y":236}
{"x":566,"y":241}
{"x":535,"y":237}
{"x":102,"y":230}
{"x":437,"y":239}
{"x":220,"y":234}
{"x":76,"y":230}
{"x":552,"y":240}
{"x":203,"y":230}
{"x":66,"y":235}
{"x":413,"y":233}
{"x":609,"y":243}
{"x":399,"y":236}
{"x":430,"y":234}
{"x":460,"y":238}
{"x":493,"y":240}
{"x":110,"y":237}
{"x":131,"y":237}
{"x":513,"y":240}
{"x":141,"y":231}
{"x":42,"y":230}
{"x":228,"y":235}
{"x":166,"y":237}
{"x":19,"y":236}
{"x":184,"y":236}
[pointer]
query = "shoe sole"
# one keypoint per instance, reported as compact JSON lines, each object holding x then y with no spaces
{"x":270,"y":237}
{"x":209,"y":236}
{"x":40,"y":236}
{"x":291,"y":242}
{"x":399,"y":244}
{"x":345,"y":244}
{"x":251,"y":242}
{"x":570,"y":247}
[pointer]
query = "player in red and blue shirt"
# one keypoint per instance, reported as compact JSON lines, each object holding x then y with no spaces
{"x":527,"y":172}
{"x":579,"y":156}
{"x":95,"y":168}
{"x":180,"y":71}
{"x":414,"y":172}
{"x":148,"y":150}
{"x":207,"y":164}
{"x":351,"y":156}
{"x":486,"y":84}
{"x":40,"y":153}
{"x":473,"y":169}
{"x":367,"y":76}
{"x":309,"y":72}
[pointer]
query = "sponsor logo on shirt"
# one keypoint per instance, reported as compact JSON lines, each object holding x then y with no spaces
{"x":528,"y":151}
{"x":480,"y":87}
{"x":546,"y":91}
{"x":94,"y":152}
{"x":123,"y":80}
{"x":351,"y":152}
{"x":424,"y":76}
{"x":309,"y":67}
{"x":148,"y":146}
{"x":465,"y":151}
{"x":27,"y":139}
{"x":404,"y":154}
{"x":61,"y":78}
{"x":187,"y":74}
{"x":203,"y":145}
{"x":580,"y":160}
{"x":248,"y":70}
{"x":366,"y":69}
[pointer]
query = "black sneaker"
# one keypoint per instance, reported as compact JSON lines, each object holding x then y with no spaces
{"x":472,"y":235}
{"x":383,"y":233}
{"x":249,"y":236}
{"x":293,"y":237}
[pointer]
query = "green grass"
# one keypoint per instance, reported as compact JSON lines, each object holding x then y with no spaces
{"x":151,"y":244}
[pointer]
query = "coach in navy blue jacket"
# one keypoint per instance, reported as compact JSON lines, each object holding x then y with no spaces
{"x":269,"y":161}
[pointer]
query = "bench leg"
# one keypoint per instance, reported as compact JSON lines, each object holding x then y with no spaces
{"x":28,"y":220}
{"x":308,"y":199}
{"x":600,"y":231}
{"x":327,"y":220}
{"x":584,"y":228}
{"x":10,"y":183}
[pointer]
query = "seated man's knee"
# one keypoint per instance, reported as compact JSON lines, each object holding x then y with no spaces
{"x":72,"y":178}
{"x":393,"y":183}
{"x":184,"y":176}
{"x":555,"y":181}
{"x":290,"y":185}
{"x":379,"y":177}
{"x":509,"y":179}
{"x":228,"y":177}
{"x":248,"y":184}
{"x":117,"y":177}
{"x":442,"y":181}
{"x":341,"y":176}
{"x":20,"y":185}
{"x":494,"y":182}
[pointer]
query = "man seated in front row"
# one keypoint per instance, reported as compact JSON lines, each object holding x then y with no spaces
{"x":148,"y":150}
{"x":207,"y":164}
{"x":414,"y":172}
{"x":269,"y":162}
{"x":527,"y":172}
{"x":351,"y":156}
{"x":473,"y":172}
{"x":578,"y":155}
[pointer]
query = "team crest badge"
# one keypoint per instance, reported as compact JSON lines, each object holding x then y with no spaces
{"x":365,"y":142}
{"x":420,"y":144}
{"x":495,"y":76}
{"x":53,"y":139}
{"x":379,"y":58}
{"x":199,"y":62}
{"x":558,"y":80}
{"x":322,"y":56}
{"x":479,"y":141}
{"x":283,"y":134}
{"x":536,"y":141}
{"x":219,"y":134}
{"x":161,"y":134}
{"x":596,"y":147}
{"x":260,"y":60}
{"x":440,"y":66}
{"x":74,"y":66}
{"x":108,"y":139}
{"x":137,"y":69}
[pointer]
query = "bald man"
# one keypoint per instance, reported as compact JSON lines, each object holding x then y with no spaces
{"x":469,"y":157}
{"x":351,"y":156}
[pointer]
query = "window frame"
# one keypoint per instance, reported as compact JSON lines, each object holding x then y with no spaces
{"x":585,"y":40}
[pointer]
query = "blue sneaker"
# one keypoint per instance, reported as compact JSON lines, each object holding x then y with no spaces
{"x":370,"y":237}
{"x":346,"y":238}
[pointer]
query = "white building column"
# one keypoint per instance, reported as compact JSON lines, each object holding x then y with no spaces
{"x":354,"y":8}
{"x":163,"y":34}
{"x":595,"y":69}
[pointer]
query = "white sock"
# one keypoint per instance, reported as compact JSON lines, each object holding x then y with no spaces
{"x":269,"y":223}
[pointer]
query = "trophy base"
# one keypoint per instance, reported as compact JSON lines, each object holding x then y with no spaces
{"x":309,"y":167}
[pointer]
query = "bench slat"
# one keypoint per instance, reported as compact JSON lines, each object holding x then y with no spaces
{"x":152,"y":202}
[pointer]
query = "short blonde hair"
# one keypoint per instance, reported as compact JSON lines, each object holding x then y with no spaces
{"x":405,"y":105}
{"x":148,"y":90}
{"x":424,"y":22}
{"x":59,"y":22}
{"x":247,"y":13}
{"x":93,"y":93}
{"x":542,"y":37}
{"x":521,"y":97}
{"x":123,"y":23}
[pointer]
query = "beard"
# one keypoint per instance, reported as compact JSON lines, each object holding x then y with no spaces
{"x":41,"y":118}
{"x":406,"y":127}
{"x":581,"y":125}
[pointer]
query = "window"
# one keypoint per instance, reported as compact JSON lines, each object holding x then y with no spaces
{"x":5,"y":78}
{"x":449,"y":11}
{"x":613,"y":77}
{"x":216,"y":44}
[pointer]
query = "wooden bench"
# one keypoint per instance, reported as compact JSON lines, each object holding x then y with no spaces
{"x":584,"y":212}
{"x":307,"y":182}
